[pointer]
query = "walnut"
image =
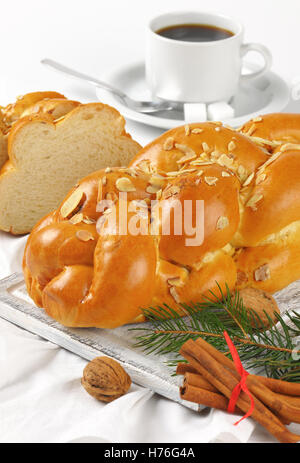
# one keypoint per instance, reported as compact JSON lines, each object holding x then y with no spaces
{"x":105,"y":379}
{"x":260,"y":302}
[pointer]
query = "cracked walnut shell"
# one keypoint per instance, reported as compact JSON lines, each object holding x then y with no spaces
{"x":105,"y":379}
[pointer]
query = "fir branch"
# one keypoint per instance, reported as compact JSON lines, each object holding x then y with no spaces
{"x":271,"y":349}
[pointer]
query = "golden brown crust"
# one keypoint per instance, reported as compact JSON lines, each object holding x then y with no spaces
{"x":251,"y":194}
{"x":281,"y":127}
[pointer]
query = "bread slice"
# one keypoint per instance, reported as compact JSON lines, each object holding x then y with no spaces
{"x":53,"y":104}
{"x":47,"y":158}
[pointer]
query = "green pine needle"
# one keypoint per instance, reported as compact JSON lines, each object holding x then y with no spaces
{"x":272,"y":350}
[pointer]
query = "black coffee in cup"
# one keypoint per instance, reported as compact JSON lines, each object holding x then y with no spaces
{"x":195,"y":33}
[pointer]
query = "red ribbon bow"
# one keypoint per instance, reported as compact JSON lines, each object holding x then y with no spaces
{"x":241,"y":386}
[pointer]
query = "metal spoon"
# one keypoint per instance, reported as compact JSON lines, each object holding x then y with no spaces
{"x":140,"y":106}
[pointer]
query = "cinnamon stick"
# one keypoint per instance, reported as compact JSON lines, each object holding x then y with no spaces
{"x":203,"y":397}
{"x":207,"y":398}
{"x":225,"y":382}
{"x":273,"y":400}
{"x":197,"y":380}
{"x":183,"y":368}
{"x":281,"y":387}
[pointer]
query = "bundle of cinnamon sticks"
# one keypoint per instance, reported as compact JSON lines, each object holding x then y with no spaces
{"x":210,"y":379}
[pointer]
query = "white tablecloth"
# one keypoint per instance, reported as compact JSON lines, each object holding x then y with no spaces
{"x":41,"y":398}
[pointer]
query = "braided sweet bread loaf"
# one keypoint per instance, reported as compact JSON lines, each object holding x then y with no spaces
{"x":84,"y":273}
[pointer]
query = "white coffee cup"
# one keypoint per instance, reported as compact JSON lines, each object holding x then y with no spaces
{"x":198,"y":72}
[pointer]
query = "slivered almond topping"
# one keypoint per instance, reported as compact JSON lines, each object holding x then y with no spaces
{"x":104,"y":180}
{"x":225,"y":161}
{"x":242,"y":174}
{"x":125,"y":184}
{"x":169,"y":144}
{"x":269,"y":161}
{"x":262,"y":273}
{"x":260,"y":178}
{"x":225,"y":174}
{"x":201,"y":172}
{"x":100,"y":191}
{"x":173,"y":190}
{"x":152,"y":189}
{"x":289,"y":146}
{"x":84,"y":235}
{"x":77,"y":218}
{"x":157,"y":180}
{"x":130,"y":172}
{"x":174,"y":294}
{"x":258,"y":119}
{"x":108,"y":170}
{"x":215,"y":154}
{"x":253,"y":201}
{"x":222,"y":223}
{"x":263,"y":141}
{"x":88,"y":221}
{"x":231,"y":146}
{"x":145,"y":166}
{"x":159,"y":194}
{"x":196,"y":131}
{"x":249,"y":179}
{"x":211,"y":181}
{"x":186,"y":158}
{"x":71,"y":203}
{"x":175,"y":282}
{"x":187,"y":130}
{"x":173,"y":174}
{"x":187,"y":171}
{"x":205,"y":147}
{"x":185,"y":149}
{"x":201,"y":162}
{"x":251,"y":130}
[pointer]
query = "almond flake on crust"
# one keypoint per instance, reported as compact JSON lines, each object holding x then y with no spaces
{"x":84,"y":235}
{"x":187,"y":130}
{"x":153,"y":189}
{"x":253,"y":201}
{"x":185,"y":149}
{"x":262,"y":273}
{"x":222,"y":223}
{"x":169,"y":144}
{"x":251,"y":130}
{"x":186,"y":158}
{"x":225,"y":161}
{"x":77,"y":218}
{"x":71,"y":203}
{"x":260,"y":178}
{"x":289,"y":146}
{"x":174,"y":294}
{"x":197,"y":131}
{"x":231,"y":146}
{"x":205,"y":147}
{"x":124,"y":184}
{"x":249,"y":179}
{"x":211,"y":181}
{"x":175,"y":282}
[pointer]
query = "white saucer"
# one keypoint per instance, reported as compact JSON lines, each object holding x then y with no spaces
{"x":267,"y":94}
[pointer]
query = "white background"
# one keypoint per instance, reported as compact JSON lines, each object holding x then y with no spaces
{"x":40,"y":394}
